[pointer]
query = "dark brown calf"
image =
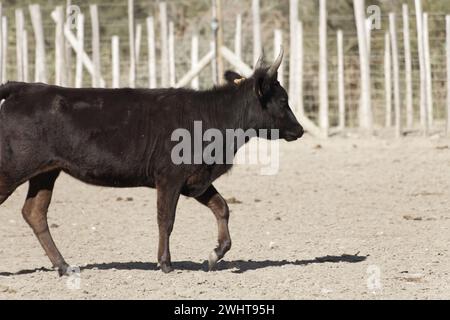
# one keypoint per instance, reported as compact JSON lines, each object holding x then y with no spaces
{"x":123,"y":138}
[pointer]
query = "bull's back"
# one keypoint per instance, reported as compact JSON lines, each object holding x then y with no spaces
{"x":100,"y":136}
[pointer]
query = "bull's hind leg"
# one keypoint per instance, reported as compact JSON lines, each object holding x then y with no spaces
{"x":213,"y":200}
{"x":35,"y":214}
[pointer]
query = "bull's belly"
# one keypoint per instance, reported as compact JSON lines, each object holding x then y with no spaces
{"x":107,"y":179}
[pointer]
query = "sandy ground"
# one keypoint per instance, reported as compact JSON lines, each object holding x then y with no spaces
{"x":348,"y":218}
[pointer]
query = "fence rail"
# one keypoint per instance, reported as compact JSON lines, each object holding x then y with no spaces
{"x":394,"y":76}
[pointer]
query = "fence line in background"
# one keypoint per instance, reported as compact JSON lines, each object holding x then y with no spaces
{"x":356,"y":76}
{"x":408,"y":69}
{"x":388,"y":79}
{"x":396,"y":73}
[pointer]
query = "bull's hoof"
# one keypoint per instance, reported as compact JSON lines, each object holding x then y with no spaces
{"x":212,"y":261}
{"x":63,"y":269}
{"x":166,"y":267}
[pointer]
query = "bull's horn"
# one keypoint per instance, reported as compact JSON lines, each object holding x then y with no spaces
{"x":260,"y":63}
{"x":274,"y":67}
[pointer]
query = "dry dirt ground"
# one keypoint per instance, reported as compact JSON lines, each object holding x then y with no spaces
{"x":348,"y":218}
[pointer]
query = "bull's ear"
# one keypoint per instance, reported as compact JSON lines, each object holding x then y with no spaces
{"x":262,"y":84}
{"x":231,"y":77}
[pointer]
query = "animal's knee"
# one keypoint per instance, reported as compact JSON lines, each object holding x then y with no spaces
{"x":36,"y":217}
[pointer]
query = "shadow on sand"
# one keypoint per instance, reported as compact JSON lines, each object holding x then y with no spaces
{"x":238,"y":266}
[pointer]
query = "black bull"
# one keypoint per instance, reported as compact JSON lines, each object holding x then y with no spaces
{"x":122,"y":138}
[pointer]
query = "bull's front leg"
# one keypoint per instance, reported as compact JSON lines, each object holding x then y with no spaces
{"x":168,"y":197}
{"x":213,"y":200}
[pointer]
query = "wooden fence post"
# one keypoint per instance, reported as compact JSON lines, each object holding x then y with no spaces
{"x":59,"y":46}
{"x":151,"y":53}
{"x":447,"y":22}
{"x":365,"y":112}
{"x":115,"y":61}
{"x":194,"y":60}
{"x":4,"y":22}
{"x":369,"y":36}
{"x":131,"y":38}
{"x":298,"y":71}
{"x":172,"y":71}
{"x":68,"y":49}
{"x":95,"y":45}
{"x":422,"y":66}
{"x":293,"y":20}
{"x":19,"y":43}
{"x":25,"y":55}
{"x":138,"y":43}
{"x":408,"y":69}
{"x":429,"y":79}
{"x":388,"y":79}
{"x":257,"y":46}
{"x":396,"y":69}
{"x":277,"y":44}
{"x":80,"y":49}
{"x":1,"y":42}
{"x":164,"y":45}
{"x":40,"y":60}
{"x":237,"y":37}
{"x":341,"y":79}
{"x":323,"y":68}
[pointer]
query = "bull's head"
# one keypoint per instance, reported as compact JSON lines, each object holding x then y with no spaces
{"x":272,"y":110}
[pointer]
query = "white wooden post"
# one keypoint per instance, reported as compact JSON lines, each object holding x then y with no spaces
{"x":298,"y":71}
{"x":237,"y":63}
{"x":19,"y":43}
{"x":323,"y":68}
{"x":95,"y":45}
{"x":164,"y":45}
{"x":388,"y":79}
{"x":257,"y":47}
{"x":365,"y":112}
{"x":4,"y":22}
{"x":341,"y":79}
{"x":237,"y":37}
{"x":429,"y":79}
{"x":68,"y":49}
{"x":138,"y":43}
{"x":194,"y":60}
{"x":25,"y":55}
{"x":447,"y":22}
{"x":369,"y":35}
{"x":132,"y":75}
{"x":1,"y":42}
{"x":115,"y":62}
{"x":59,"y":46}
{"x":172,"y":71}
{"x":396,"y":72}
{"x":40,"y":60}
{"x":79,"y":52}
{"x":422,"y":66}
{"x":293,"y":20}
{"x":277,"y":44}
{"x":214,"y":63}
{"x":187,"y":78}
{"x":151,"y":53}
{"x":408,"y":69}
{"x":87,"y":62}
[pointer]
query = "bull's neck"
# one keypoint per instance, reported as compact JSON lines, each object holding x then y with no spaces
{"x":231,"y":108}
